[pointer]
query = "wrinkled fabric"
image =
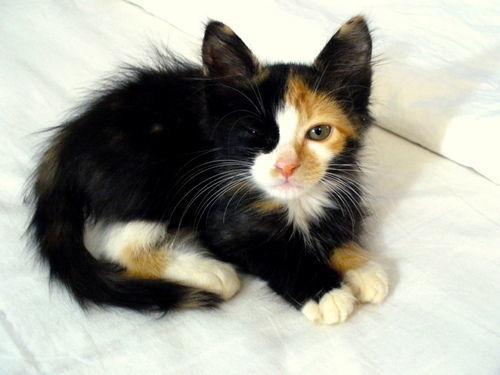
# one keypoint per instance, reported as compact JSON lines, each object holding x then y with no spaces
{"x":434,"y":223}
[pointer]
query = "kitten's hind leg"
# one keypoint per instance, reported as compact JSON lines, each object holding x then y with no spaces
{"x":147,"y":251}
{"x":190,"y":265}
{"x":366,"y":278}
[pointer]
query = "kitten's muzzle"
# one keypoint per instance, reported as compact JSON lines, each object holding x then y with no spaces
{"x":286,"y":169}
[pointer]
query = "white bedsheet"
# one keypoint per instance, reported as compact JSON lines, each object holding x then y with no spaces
{"x":435,"y":224}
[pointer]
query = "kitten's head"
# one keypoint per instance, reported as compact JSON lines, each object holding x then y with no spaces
{"x":288,"y":124}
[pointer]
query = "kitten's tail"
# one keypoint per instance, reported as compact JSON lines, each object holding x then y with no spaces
{"x":58,"y":225}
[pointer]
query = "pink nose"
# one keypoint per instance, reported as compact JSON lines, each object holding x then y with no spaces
{"x":286,"y":168}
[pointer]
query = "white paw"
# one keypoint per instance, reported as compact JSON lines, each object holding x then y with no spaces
{"x":334,"y":307}
{"x":205,"y":273}
{"x":369,"y":282}
{"x":221,"y":279}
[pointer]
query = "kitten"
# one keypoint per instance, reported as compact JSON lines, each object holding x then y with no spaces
{"x":165,"y":184}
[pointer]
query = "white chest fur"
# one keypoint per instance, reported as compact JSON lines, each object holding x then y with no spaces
{"x":308,"y":208}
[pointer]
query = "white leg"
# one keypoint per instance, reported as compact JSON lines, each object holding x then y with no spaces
{"x":200,"y":271}
{"x":146,"y":249}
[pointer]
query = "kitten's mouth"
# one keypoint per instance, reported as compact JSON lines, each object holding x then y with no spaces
{"x":288,"y":185}
{"x":287,"y":189}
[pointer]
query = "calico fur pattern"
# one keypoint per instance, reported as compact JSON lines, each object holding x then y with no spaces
{"x":174,"y":146}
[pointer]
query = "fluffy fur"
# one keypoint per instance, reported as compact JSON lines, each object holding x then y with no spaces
{"x":227,"y":154}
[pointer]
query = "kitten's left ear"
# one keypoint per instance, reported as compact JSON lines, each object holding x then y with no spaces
{"x":350,"y":44}
{"x":225,"y":55}
{"x":346,"y":60}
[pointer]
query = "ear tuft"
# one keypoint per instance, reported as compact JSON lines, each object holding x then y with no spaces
{"x":225,"y":55}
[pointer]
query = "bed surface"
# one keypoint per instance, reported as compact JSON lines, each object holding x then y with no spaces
{"x":435,"y":225}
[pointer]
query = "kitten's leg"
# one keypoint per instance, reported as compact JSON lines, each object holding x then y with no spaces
{"x":304,"y":280}
{"x":147,"y":250}
{"x":190,"y":265}
{"x":362,"y":274}
{"x":364,"y":280}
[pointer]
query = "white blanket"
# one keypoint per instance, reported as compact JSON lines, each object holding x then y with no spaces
{"x":435,"y":223}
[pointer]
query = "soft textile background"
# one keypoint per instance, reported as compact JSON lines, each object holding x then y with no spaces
{"x":435,"y":223}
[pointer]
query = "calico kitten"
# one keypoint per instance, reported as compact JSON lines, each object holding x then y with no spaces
{"x":177,"y":176}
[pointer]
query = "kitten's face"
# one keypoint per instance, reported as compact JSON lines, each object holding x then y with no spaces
{"x":312,"y":130}
{"x":287,"y":123}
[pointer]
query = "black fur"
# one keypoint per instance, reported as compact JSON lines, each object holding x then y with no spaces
{"x":143,"y":150}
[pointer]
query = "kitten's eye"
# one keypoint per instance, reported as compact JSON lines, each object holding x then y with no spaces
{"x":251,"y":131}
{"x":319,"y":132}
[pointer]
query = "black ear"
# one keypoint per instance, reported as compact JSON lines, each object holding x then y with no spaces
{"x":225,"y":55}
{"x":345,"y":61}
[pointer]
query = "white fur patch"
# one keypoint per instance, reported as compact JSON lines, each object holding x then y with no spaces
{"x":308,"y":208}
{"x":261,"y":171}
{"x":197,"y":270}
{"x":334,"y":307}
{"x":369,"y":282}
{"x":287,"y":119}
{"x":107,"y":240}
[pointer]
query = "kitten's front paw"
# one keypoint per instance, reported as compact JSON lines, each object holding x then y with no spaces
{"x":369,"y":282}
{"x":334,"y":307}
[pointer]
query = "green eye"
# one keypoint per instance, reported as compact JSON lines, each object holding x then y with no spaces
{"x":319,"y":132}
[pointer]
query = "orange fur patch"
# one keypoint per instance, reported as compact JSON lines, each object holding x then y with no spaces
{"x":316,"y":108}
{"x":143,"y":263}
{"x":311,"y":168}
{"x":348,"y":257}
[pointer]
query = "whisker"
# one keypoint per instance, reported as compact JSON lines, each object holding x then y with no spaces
{"x":257,"y":94}
{"x":244,"y":95}
{"x":229,"y":114}
{"x":204,"y":167}
{"x":230,"y":200}
{"x":215,"y":197}
{"x":211,"y":180}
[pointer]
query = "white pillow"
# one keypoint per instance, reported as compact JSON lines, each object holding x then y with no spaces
{"x":438,"y":83}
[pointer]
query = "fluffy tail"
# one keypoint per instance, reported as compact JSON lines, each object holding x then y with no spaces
{"x":58,"y":225}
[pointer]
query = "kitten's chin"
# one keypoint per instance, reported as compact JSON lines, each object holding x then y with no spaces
{"x":286,"y":190}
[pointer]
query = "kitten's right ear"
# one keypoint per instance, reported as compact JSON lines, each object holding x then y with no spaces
{"x":225,"y":55}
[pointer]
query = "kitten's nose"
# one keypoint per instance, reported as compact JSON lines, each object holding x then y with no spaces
{"x":286,"y":168}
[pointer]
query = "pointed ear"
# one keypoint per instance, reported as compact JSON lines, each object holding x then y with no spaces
{"x":346,"y":60}
{"x":351,"y":45}
{"x":225,"y":55}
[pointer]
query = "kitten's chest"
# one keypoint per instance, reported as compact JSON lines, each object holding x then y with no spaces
{"x":237,"y":228}
{"x":304,"y":212}
{"x":231,"y":229}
